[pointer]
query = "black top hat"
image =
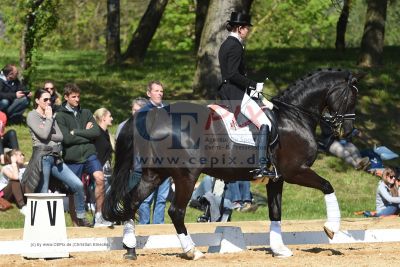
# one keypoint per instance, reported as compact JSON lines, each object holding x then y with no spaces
{"x":238,"y":18}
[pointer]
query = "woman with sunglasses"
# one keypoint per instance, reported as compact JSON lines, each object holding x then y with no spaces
{"x":386,"y":204}
{"x":46,"y":157}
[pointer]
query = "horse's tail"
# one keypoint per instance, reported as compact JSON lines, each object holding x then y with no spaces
{"x":118,"y":201}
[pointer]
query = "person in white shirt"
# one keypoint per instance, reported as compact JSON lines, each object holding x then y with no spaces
{"x":12,"y":174}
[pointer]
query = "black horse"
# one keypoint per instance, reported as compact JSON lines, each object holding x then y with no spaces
{"x":184,"y":140}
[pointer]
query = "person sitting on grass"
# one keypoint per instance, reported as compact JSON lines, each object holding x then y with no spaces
{"x":386,"y":203}
{"x":342,"y":148}
{"x":11,"y":176}
{"x":239,"y":194}
{"x":8,"y":138}
{"x":55,"y":97}
{"x":14,"y":97}
{"x":208,"y":197}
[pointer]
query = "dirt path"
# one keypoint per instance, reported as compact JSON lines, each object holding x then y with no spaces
{"x":368,"y":254}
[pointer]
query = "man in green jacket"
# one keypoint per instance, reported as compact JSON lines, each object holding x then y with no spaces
{"x":79,"y":130}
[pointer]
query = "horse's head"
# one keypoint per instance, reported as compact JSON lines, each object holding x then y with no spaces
{"x":341,"y":105}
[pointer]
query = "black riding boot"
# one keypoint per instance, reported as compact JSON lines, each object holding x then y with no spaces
{"x":263,"y":160}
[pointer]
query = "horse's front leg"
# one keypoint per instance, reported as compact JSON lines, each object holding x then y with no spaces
{"x":310,"y":179}
{"x":177,"y":211}
{"x":274,"y":191}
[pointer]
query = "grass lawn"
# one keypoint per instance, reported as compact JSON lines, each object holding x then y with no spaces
{"x":114,"y":87}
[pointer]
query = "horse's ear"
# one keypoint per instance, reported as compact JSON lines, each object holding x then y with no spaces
{"x":356,"y":77}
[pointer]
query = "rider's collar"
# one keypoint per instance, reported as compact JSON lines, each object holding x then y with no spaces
{"x":236,"y":35}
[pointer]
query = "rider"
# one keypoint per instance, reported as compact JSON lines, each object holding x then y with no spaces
{"x":237,"y":87}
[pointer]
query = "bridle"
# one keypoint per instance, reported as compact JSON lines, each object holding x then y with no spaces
{"x":336,"y":120}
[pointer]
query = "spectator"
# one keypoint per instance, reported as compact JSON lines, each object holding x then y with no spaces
{"x":342,"y":148}
{"x":80,"y":130}
{"x":137,"y":104}
{"x":46,"y":158}
{"x":8,"y":139}
{"x":376,"y":157}
{"x":395,"y":189}
{"x":208,"y":197}
{"x":386,"y":203}
{"x":55,"y":97}
{"x":10,"y":181}
{"x":14,"y":98}
{"x":104,"y":143}
{"x":155,"y":92}
{"x":239,"y":194}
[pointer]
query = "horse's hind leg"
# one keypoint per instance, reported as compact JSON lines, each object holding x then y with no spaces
{"x":274,"y":191}
{"x":183,"y":191}
{"x":309,"y":178}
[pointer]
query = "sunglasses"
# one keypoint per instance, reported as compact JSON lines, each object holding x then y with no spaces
{"x":46,"y":99}
{"x":391,"y":176}
{"x":49,"y":88}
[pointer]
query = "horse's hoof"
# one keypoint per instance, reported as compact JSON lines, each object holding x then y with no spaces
{"x":281,"y":251}
{"x":193,"y":254}
{"x":329,"y":232}
{"x":130,"y":254}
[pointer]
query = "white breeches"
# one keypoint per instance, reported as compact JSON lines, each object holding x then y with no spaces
{"x":253,"y":112}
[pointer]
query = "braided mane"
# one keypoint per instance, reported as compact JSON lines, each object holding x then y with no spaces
{"x":307,"y":81}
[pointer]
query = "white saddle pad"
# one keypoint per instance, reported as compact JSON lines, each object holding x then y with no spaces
{"x":237,"y":134}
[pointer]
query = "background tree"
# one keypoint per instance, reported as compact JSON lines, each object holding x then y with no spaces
{"x":341,"y":26}
{"x":208,"y":77}
{"x":113,"y":44}
{"x":374,"y":34}
{"x":201,"y":14}
{"x":145,"y":31}
{"x":40,"y":19}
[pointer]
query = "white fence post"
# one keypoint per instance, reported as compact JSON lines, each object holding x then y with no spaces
{"x":232,"y":240}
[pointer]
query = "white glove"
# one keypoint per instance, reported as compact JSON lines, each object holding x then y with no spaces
{"x":259,"y":87}
{"x":267,"y":104}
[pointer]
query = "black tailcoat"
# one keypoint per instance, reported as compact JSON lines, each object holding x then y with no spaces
{"x":233,"y":71}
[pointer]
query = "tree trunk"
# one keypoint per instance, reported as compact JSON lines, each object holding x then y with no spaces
{"x":145,"y":31}
{"x":374,"y":34}
{"x":341,"y":26}
{"x":208,"y":76}
{"x":201,"y":14}
{"x":112,"y":39}
{"x":28,"y":40}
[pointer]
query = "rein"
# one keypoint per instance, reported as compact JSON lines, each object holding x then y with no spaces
{"x":300,"y":109}
{"x":334,"y":121}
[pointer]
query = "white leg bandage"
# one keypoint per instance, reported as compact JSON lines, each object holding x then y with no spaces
{"x":333,"y":212}
{"x":275,"y":241}
{"x":275,"y":233}
{"x":186,"y":242}
{"x":129,"y":237}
